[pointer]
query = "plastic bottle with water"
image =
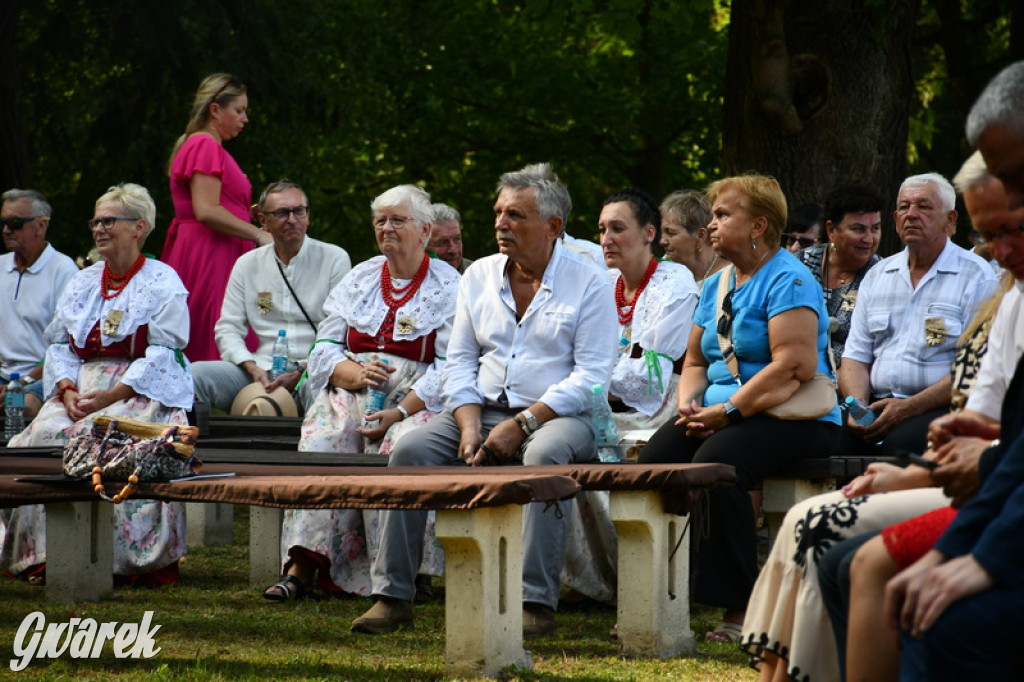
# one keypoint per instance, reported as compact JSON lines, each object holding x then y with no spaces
{"x":861,"y":413}
{"x":605,"y":430}
{"x":280,"y":362}
{"x":376,"y":396}
{"x":14,"y":407}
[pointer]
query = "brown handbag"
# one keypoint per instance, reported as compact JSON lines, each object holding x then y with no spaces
{"x":815,"y":397}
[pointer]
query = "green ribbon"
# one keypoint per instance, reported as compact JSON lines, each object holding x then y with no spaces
{"x":179,"y":356}
{"x":654,"y":370}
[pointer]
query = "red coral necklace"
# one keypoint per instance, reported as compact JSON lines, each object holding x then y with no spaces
{"x":625,"y":309}
{"x":112,"y":285}
{"x":388,"y":290}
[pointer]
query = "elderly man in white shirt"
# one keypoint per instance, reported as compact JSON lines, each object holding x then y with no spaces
{"x":911,"y":308}
{"x":32,"y":277}
{"x":282,"y":285}
{"x":535,"y":329}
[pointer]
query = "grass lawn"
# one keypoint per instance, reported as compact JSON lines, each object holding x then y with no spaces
{"x":214,"y":627}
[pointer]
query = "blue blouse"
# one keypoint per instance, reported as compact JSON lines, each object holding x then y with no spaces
{"x":781,"y":284}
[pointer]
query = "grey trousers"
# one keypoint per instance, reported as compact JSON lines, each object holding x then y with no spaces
{"x":218,"y":382}
{"x":562,"y":440}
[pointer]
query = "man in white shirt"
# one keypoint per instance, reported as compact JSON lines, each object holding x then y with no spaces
{"x":911,"y":308}
{"x":446,"y":236}
{"x":282,"y":285}
{"x":535,"y":329}
{"x":32,"y":277}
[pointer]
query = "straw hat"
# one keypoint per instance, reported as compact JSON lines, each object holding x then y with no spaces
{"x":253,"y":400}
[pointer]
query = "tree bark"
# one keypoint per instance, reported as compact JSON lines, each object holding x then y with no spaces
{"x":818,"y":93}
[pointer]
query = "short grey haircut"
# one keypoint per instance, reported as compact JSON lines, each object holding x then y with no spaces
{"x":40,"y":206}
{"x":1000,"y":103}
{"x":947,"y":195}
{"x":443,"y":213}
{"x":692,"y":208}
{"x":282,"y":185}
{"x":415,"y":198}
{"x":972,"y":174}
{"x":549,"y":192}
{"x":136,"y":202}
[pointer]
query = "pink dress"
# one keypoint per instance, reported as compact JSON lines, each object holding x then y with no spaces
{"x":202,"y":257}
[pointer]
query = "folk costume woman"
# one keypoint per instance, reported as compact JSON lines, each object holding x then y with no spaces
{"x":116,"y":336}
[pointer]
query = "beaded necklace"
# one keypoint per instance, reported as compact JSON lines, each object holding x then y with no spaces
{"x":115,"y":284}
{"x":388,"y":291}
{"x":625,"y":309}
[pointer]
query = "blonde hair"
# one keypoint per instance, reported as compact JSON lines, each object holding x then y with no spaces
{"x":763,"y":197}
{"x":987,"y":309}
{"x":217,"y":88}
{"x":136,"y":202}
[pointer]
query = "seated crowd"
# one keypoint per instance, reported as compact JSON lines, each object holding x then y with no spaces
{"x":753,"y":343}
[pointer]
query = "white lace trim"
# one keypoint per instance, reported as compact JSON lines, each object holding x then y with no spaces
{"x":358,"y":299}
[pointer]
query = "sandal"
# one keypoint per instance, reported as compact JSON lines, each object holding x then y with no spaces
{"x":289,"y":587}
{"x":726,"y":633}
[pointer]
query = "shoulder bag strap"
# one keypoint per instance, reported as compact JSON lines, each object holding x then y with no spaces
{"x":724,"y":343}
{"x":294,"y":295}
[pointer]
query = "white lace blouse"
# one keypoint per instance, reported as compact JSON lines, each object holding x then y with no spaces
{"x":154,"y":297}
{"x":661,"y":326}
{"x":357,"y":302}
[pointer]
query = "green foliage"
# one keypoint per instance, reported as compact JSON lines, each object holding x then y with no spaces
{"x":350,"y":98}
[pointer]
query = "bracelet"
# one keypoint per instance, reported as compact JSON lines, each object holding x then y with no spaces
{"x":65,"y":389}
{"x":405,"y":412}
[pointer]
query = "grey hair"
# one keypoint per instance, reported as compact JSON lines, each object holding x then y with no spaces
{"x":282,"y":185}
{"x":40,"y":206}
{"x":136,"y":202}
{"x":416,"y":198}
{"x":549,"y":192}
{"x":443,"y":213}
{"x":1000,"y":103}
{"x":972,"y":174}
{"x":692,"y":207}
{"x":947,"y":195}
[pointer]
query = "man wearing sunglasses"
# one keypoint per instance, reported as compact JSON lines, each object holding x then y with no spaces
{"x":32,"y":276}
{"x":281,"y":285}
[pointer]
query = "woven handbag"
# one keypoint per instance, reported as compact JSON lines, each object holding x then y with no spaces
{"x":132,"y":451}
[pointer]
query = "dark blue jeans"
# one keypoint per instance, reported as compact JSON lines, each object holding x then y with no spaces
{"x":834,"y":582}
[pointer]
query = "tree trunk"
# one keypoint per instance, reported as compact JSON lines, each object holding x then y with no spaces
{"x":818,"y":93}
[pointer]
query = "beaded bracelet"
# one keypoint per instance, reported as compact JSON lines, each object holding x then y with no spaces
{"x":65,"y":389}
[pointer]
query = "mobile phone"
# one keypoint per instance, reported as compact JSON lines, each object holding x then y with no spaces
{"x":915,"y":458}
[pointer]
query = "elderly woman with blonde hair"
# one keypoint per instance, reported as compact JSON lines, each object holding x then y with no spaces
{"x":751,"y":348}
{"x":116,"y":340}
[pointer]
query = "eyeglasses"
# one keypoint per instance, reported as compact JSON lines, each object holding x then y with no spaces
{"x":984,"y":238}
{"x":15,"y":224}
{"x":788,"y":238}
{"x":397,"y":221}
{"x":282,"y":214}
{"x":106,"y":223}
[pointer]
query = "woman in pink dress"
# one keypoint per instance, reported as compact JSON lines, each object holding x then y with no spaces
{"x":211,"y":196}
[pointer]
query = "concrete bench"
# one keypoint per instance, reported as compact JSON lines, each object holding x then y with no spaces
{"x":477,"y":526}
{"x":806,"y":478}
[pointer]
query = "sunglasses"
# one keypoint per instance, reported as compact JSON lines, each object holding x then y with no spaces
{"x":725,"y":321}
{"x":15,"y":224}
{"x":789,"y":238}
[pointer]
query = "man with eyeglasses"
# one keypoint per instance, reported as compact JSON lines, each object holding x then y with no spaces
{"x":281,"y":285}
{"x":911,"y":309}
{"x":32,"y":277}
{"x":446,"y":236}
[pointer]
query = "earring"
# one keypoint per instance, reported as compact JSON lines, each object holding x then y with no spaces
{"x":832,"y":245}
{"x":753,"y":245}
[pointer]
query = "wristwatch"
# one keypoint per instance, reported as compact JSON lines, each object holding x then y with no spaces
{"x":531,"y":421}
{"x":732,"y":413}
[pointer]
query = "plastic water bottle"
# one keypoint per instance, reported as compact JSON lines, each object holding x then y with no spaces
{"x":605,"y":430}
{"x":376,"y":396}
{"x":280,"y":362}
{"x":14,"y":407}
{"x":861,"y":413}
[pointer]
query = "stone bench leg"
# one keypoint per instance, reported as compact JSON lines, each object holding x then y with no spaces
{"x":264,"y":545}
{"x":653,"y":590}
{"x":782,"y":493}
{"x":483,"y":590}
{"x":208,"y":524}
{"x":79,"y":551}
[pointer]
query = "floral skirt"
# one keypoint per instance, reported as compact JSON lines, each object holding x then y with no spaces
{"x":148,"y":534}
{"x":591,"y":543}
{"x":786,"y":615}
{"x":348,"y":537}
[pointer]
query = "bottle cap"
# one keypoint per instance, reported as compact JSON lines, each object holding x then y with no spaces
{"x":850,"y":400}
{"x":280,"y":332}
{"x":597,"y":389}
{"x":15,"y":376}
